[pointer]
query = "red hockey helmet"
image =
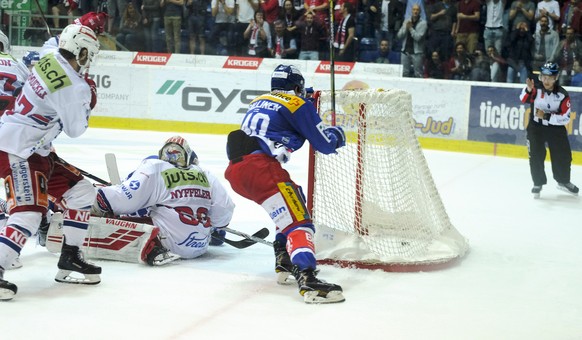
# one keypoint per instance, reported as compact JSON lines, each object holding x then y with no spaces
{"x":93,"y":20}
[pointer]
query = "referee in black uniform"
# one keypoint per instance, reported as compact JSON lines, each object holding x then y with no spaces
{"x":550,"y":113}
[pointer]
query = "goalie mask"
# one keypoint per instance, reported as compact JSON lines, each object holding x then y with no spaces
{"x":288,"y":78}
{"x":75,"y":38}
{"x":176,"y":151}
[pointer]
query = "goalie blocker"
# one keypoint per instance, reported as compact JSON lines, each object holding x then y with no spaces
{"x":115,"y":239}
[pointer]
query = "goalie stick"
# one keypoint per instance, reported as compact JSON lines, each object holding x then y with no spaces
{"x":249,"y":240}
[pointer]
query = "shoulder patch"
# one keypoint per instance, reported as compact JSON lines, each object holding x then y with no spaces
{"x":52,"y":73}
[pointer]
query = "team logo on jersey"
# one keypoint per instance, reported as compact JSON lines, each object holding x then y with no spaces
{"x":178,"y":177}
{"x":134,"y":185}
{"x":195,"y":241}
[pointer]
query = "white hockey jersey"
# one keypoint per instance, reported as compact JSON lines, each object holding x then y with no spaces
{"x":12,"y":74}
{"x":54,"y":98}
{"x":183,"y":203}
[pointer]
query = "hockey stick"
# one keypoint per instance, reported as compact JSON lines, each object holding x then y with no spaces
{"x":111,"y":164}
{"x":246,"y":242}
{"x":48,"y":28}
{"x":253,"y":238}
{"x":85,"y":173}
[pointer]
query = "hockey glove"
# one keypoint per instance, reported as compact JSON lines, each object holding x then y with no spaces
{"x":217,"y":237}
{"x":93,"y":91}
{"x":336,"y":133}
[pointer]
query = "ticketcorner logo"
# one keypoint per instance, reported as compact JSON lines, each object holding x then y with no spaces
{"x":244,"y":63}
{"x":144,"y":58}
{"x":339,"y":67}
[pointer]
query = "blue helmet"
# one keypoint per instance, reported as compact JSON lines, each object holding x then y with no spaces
{"x":550,"y":69}
{"x":288,"y":78}
{"x":31,"y":58}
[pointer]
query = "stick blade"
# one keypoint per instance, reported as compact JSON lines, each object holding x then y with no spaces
{"x":112,"y":170}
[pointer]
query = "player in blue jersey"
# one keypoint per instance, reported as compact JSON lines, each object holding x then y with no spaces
{"x":276,"y":124}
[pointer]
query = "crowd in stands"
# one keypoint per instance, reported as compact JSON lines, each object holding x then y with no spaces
{"x":479,"y":40}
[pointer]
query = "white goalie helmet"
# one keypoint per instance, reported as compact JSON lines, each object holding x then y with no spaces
{"x":5,"y":43}
{"x":75,"y":38}
{"x":177,"y":152}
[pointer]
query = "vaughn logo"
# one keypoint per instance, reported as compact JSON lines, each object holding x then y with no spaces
{"x":145,"y":58}
{"x":244,"y":63}
{"x":339,"y":67}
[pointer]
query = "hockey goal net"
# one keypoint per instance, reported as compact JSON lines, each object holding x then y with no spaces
{"x":374,"y":203}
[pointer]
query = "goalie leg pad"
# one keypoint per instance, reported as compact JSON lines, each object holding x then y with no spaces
{"x":108,"y":238}
{"x":12,"y":240}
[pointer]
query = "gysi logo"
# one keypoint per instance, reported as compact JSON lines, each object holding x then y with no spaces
{"x":202,"y":98}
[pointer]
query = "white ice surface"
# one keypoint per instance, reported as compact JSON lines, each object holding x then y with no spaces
{"x":522,"y":278}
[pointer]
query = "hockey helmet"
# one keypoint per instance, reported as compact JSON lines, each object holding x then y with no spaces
{"x":93,"y":20}
{"x":5,"y":43}
{"x":31,"y":58}
{"x":549,"y":69}
{"x":75,"y":38}
{"x":177,"y":152}
{"x":288,"y":78}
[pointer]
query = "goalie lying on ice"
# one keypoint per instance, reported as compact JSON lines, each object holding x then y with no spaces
{"x":184,"y":201}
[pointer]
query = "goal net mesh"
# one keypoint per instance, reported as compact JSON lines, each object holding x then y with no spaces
{"x":374,"y":203}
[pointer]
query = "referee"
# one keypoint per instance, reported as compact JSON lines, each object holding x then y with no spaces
{"x":550,"y":112}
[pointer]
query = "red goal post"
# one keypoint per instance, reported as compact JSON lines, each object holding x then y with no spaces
{"x":374,"y":203}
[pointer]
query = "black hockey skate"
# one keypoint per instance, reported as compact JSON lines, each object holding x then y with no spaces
{"x":7,"y":289}
{"x":536,"y":191}
{"x":157,"y":254}
{"x":569,"y":188}
{"x":43,"y":231}
{"x":71,"y":260}
{"x":315,"y":290}
{"x":283,"y":265}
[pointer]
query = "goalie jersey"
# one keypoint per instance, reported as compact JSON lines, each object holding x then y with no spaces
{"x":183,"y":203}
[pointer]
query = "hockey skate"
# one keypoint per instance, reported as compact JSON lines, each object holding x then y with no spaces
{"x":157,"y":254}
{"x":283,"y":265}
{"x":71,"y":260}
{"x":7,"y":289}
{"x":43,"y":231}
{"x":536,"y":191}
{"x":569,"y":188}
{"x":314,"y":290}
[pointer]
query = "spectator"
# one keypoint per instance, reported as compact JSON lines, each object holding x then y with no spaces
{"x":385,"y":55}
{"x":409,"y":6}
{"x":577,"y":74}
{"x":152,"y":19}
{"x":549,"y":8}
{"x":130,"y":33}
{"x":443,"y":19}
{"x":467,"y":28}
{"x":290,"y":16}
{"x":493,"y":34}
{"x":344,"y":35}
{"x":36,"y":31}
{"x":481,"y":66}
{"x":271,"y":10}
{"x":519,"y":57}
{"x":461,"y":63}
{"x":115,"y":9}
{"x":284,"y":45}
{"x":571,"y":15}
{"x":522,"y":11}
{"x":569,"y":49}
{"x":223,"y":13}
{"x":312,"y":35}
{"x":545,"y":43}
{"x":319,"y":8}
{"x":173,"y":12}
{"x":436,"y":68}
{"x":384,"y":19}
{"x":258,"y":33}
{"x":245,"y":13}
{"x":413,"y":33}
{"x":498,"y":64}
{"x":196,"y":23}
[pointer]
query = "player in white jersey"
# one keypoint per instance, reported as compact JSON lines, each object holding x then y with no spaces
{"x":54,"y":98}
{"x":185,"y":201}
{"x":13,"y":73}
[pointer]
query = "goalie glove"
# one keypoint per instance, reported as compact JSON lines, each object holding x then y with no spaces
{"x":217,"y":237}
{"x":336,"y":133}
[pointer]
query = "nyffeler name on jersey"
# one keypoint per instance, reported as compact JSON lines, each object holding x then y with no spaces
{"x":190,"y":192}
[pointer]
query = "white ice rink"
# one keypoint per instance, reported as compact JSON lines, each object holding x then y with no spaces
{"x":522,"y":278}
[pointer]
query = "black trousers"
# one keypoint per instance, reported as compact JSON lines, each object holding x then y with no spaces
{"x":556,"y":138}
